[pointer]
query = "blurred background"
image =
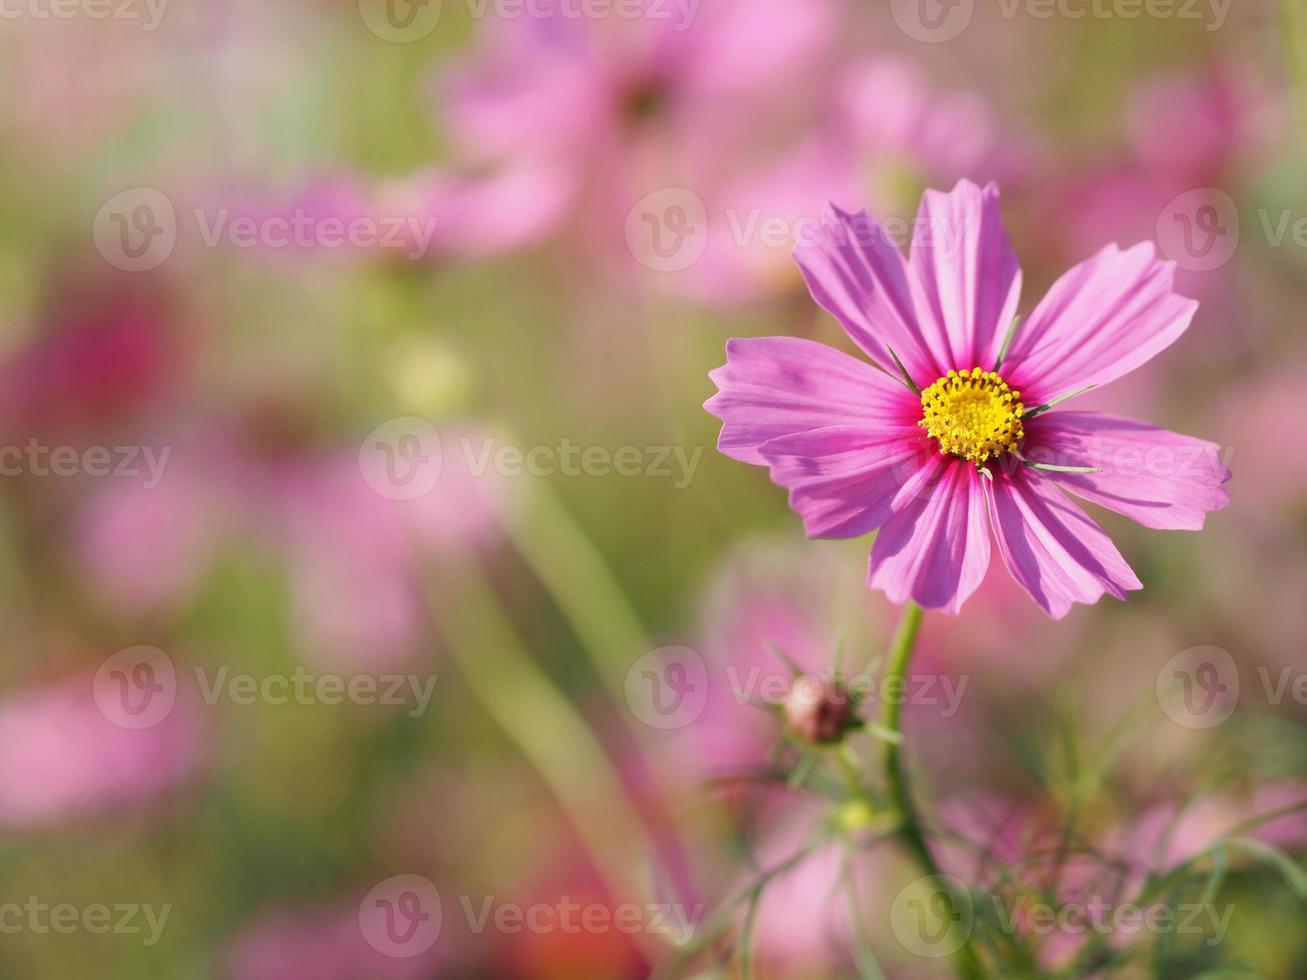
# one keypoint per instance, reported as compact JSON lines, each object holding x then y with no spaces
{"x":376,"y":604}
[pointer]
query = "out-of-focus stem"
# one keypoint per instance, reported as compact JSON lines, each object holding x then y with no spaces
{"x":910,"y":833}
{"x":544,"y":727}
{"x":570,"y":567}
{"x":1293,"y":27}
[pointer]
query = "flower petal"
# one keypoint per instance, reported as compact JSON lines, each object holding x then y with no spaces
{"x":967,"y":276}
{"x":777,"y":386}
{"x":844,"y":479}
{"x":934,"y":550}
{"x":1051,"y":547}
{"x":1154,"y":476}
{"x":1101,"y":319}
{"x":857,"y":274}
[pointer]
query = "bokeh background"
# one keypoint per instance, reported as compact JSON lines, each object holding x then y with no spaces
{"x":376,"y":606}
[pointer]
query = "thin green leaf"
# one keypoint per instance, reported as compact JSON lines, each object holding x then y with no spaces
{"x":1277,"y":860}
{"x":1007,"y":341}
{"x":903,"y":372}
{"x":884,"y":734}
{"x":863,"y":957}
{"x":1041,"y":409}
{"x":794,"y":669}
{"x":1054,"y":468}
{"x":801,"y":771}
{"x":1220,"y":863}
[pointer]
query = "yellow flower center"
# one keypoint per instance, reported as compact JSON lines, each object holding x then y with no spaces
{"x":973,"y":415}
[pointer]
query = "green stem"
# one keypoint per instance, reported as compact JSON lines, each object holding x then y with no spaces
{"x":965,"y":959}
{"x":1293,"y":27}
{"x":543,"y":725}
{"x":574,"y":572}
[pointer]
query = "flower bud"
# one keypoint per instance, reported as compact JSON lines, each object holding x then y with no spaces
{"x":818,"y":710}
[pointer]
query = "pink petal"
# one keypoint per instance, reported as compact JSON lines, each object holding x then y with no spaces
{"x":1101,"y":319}
{"x":1156,"y":477}
{"x":857,"y":274}
{"x":968,"y":278}
{"x":753,"y":47}
{"x":935,"y":549}
{"x":844,"y":479}
{"x":1053,"y":550}
{"x":777,"y":386}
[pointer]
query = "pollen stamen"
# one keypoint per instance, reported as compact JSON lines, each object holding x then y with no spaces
{"x":973,"y":415}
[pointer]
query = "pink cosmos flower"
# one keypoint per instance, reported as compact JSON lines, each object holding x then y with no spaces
{"x":61,"y":758}
{"x":591,"y":109}
{"x":964,"y":442}
{"x":888,"y":135}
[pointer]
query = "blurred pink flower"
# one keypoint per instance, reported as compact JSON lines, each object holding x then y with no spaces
{"x":929,"y":465}
{"x":805,"y":923}
{"x":105,"y":353}
{"x":1186,"y":131}
{"x":758,"y":216}
{"x":1199,"y":126}
{"x":62,"y":758}
{"x":596,"y":107}
{"x":803,"y":918}
{"x":1168,"y":835}
{"x":429,"y":216}
{"x":319,"y":943}
{"x":353,"y":554}
{"x":1276,"y":480}
{"x":146,"y":548}
{"x":894,"y":122}
{"x":767,"y":596}
{"x":889,"y":135}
